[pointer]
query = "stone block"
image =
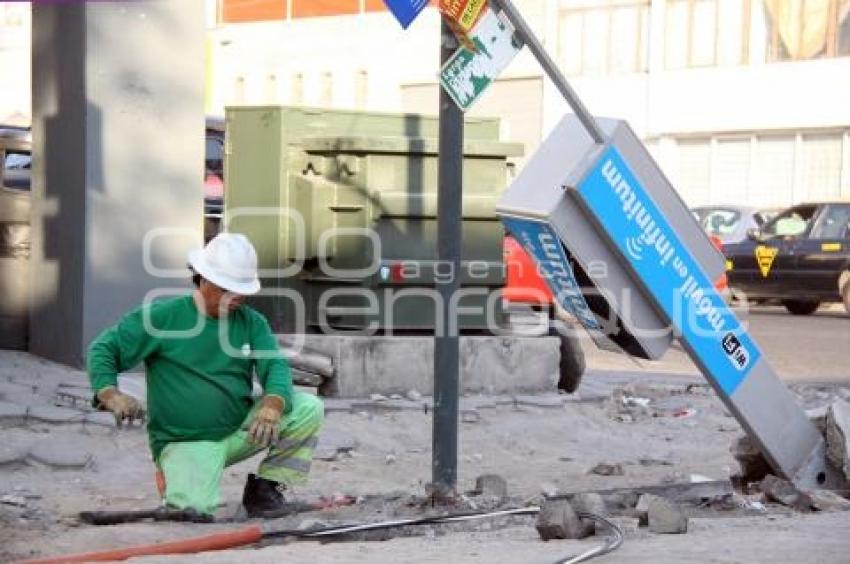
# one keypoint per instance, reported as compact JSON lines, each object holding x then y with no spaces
{"x":558,"y":520}
{"x":784,"y":492}
{"x":492,"y":486}
{"x":666,"y":517}
{"x":60,"y":454}
{"x":590,"y":503}
{"x":608,"y":469}
{"x":838,"y":436}
{"x":394,"y":365}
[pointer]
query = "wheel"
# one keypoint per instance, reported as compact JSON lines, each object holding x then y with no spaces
{"x":572,"y":365}
{"x":801,"y":307}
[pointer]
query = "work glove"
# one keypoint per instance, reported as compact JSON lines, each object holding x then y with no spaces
{"x":266,"y":424}
{"x":122,"y":406}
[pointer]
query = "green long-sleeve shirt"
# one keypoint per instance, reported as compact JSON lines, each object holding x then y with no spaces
{"x":198,"y":383}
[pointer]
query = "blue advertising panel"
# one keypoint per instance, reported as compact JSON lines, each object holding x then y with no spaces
{"x":405,"y":11}
{"x":668,"y":270}
{"x":544,"y":245}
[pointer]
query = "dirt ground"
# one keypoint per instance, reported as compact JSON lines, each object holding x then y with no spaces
{"x":536,"y":443}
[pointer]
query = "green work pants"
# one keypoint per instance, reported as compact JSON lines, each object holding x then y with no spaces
{"x":193,"y":469}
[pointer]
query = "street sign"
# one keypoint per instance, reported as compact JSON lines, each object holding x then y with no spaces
{"x":405,"y":11}
{"x":467,"y":74}
{"x":461,"y":16}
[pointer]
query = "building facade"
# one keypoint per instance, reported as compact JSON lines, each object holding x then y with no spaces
{"x":741,"y":101}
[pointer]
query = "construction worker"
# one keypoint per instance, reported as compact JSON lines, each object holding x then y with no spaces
{"x":200,"y":354}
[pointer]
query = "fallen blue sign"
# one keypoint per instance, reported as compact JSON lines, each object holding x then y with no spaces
{"x":698,"y":314}
{"x":405,"y":11}
{"x":544,"y":245}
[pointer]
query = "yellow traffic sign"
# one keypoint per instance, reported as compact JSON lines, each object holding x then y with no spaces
{"x":764,"y":257}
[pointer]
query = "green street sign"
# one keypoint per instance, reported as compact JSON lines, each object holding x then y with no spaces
{"x":467,"y":74}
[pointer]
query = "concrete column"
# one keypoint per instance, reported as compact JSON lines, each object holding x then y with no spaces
{"x":118,"y":131}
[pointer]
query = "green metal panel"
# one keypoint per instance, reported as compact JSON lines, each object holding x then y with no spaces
{"x":344,"y":169}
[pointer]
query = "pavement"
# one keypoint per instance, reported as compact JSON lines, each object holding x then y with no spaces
{"x":59,"y":458}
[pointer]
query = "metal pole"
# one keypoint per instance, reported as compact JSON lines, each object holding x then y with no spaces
{"x":446,"y":346}
{"x":550,"y":68}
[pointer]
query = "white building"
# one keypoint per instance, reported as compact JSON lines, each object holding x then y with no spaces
{"x":742,"y":101}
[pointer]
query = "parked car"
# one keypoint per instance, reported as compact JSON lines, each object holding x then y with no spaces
{"x":801,"y":257}
{"x":731,"y":223}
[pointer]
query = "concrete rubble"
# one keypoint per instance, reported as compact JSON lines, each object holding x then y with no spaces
{"x":666,"y":517}
{"x":558,"y":520}
{"x":838,"y":436}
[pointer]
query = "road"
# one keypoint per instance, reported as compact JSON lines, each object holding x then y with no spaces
{"x":811,"y":348}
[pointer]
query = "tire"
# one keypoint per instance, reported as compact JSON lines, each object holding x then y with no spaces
{"x":801,"y":307}
{"x":572,"y":365}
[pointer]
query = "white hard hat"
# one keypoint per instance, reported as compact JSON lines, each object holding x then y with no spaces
{"x":230,"y":262}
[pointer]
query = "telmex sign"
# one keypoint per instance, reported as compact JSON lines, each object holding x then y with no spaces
{"x":611,"y":203}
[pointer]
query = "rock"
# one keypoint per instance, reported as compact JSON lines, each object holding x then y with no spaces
{"x":492,"y":486}
{"x":607,"y":469}
{"x":629,"y":525}
{"x":12,"y":412}
{"x":558,"y":520}
{"x":642,"y":509}
{"x":10,"y":455}
{"x":413,"y":395}
{"x":589,"y":503}
{"x":825,"y":500}
{"x":390,"y":459}
{"x":784,"y":492}
{"x":52,"y":414}
{"x":818,"y":417}
{"x":838,"y":436}
{"x":666,"y":517}
{"x":60,"y":454}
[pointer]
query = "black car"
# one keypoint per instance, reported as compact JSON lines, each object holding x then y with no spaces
{"x":801,"y":258}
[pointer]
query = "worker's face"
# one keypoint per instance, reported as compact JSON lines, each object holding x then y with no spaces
{"x":218,"y":300}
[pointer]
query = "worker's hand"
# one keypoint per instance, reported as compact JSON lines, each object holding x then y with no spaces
{"x":266,"y":424}
{"x":122,"y":406}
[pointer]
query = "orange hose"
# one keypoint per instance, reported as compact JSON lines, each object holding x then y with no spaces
{"x":216,"y":541}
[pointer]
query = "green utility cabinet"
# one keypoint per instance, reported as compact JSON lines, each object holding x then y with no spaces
{"x":342,"y":208}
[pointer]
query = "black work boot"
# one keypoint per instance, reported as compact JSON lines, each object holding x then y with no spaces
{"x":263,"y":498}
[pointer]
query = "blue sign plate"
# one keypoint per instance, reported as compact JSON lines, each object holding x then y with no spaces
{"x":698,"y":314}
{"x":543,"y":244}
{"x":405,"y":11}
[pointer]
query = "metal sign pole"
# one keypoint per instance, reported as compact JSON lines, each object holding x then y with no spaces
{"x":446,"y":346}
{"x":550,"y":68}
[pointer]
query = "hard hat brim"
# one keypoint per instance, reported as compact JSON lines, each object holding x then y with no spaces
{"x":200,"y":266}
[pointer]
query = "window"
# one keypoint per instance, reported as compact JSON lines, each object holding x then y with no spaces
{"x":792,"y":223}
{"x":604,"y":37}
{"x":720,"y":221}
{"x":807,"y":29}
{"x":834,"y":224}
{"x":17,"y":167}
{"x":700,"y":33}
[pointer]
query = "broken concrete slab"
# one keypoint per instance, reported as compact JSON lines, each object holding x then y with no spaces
{"x":558,"y":520}
{"x":491,"y":486}
{"x":589,"y":503}
{"x":11,"y":455}
{"x":642,"y":509}
{"x":60,"y":454}
{"x":838,"y":436}
{"x":784,"y":492}
{"x":825,"y":500}
{"x":53,"y":414}
{"x":666,"y":517}
{"x":102,"y":418}
{"x":12,"y":412}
